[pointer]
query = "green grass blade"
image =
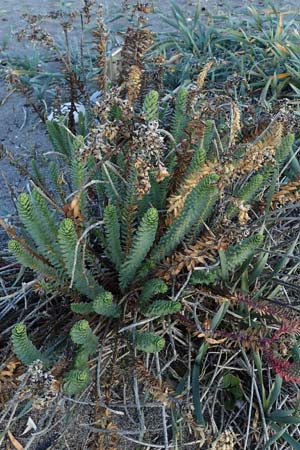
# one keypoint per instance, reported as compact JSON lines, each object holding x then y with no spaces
{"x":295,"y":445}
{"x":196,"y":385}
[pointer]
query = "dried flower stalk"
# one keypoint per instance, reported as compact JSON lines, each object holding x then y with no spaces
{"x":101,"y":36}
{"x":134,"y":84}
{"x":203,"y":252}
{"x":288,"y":193}
{"x":203,"y":74}
{"x":235,"y":123}
{"x":260,"y":152}
{"x":176,"y":201}
{"x":136,"y":44}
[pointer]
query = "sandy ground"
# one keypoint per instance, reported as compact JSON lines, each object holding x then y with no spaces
{"x":21,"y":130}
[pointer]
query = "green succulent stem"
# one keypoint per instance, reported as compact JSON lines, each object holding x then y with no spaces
{"x":24,"y":349}
{"x":142,"y":242}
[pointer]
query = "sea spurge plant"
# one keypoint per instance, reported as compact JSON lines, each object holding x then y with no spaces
{"x":162,"y":308}
{"x":82,"y":308}
{"x":273,"y":340}
{"x":245,"y":195}
{"x":76,"y":381}
{"x":24,"y":349}
{"x":152,"y":287}
{"x":142,"y":242}
{"x":151,"y":222}
{"x":150,"y":106}
{"x":72,"y":257}
{"x":149,"y":342}
{"x":155,"y":191}
{"x":180,"y":117}
{"x":105,"y":306}
{"x":284,"y":150}
{"x":40,"y":225}
{"x":194,"y":211}
{"x":60,"y":138}
{"x":134,"y":238}
{"x":234,"y":257}
{"x":29,"y":258}
{"x":238,"y":253}
{"x":82,"y":334}
{"x":289,"y":371}
{"x":198,"y":159}
{"x":78,"y":378}
{"x":112,"y":229}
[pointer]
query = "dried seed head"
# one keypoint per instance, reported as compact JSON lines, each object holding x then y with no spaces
{"x":288,"y":193}
{"x":134,"y":84}
{"x":143,"y":169}
{"x":235,"y":123}
{"x":161,"y":173}
{"x":101,"y":36}
{"x":149,"y":142}
{"x":261,"y":152}
{"x":226,"y":441}
{"x":136,"y":44}
{"x":203,"y":74}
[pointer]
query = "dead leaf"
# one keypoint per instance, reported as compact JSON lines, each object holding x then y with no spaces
{"x":280,"y":76}
{"x":14,"y":441}
{"x":282,"y":48}
{"x":10,"y":368}
{"x":29,"y":426}
{"x":5,"y":373}
{"x":72,"y":209}
{"x":215,"y":341}
{"x":206,"y":324}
